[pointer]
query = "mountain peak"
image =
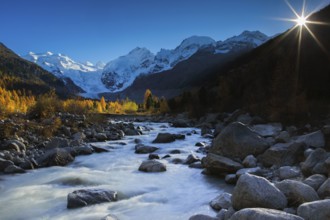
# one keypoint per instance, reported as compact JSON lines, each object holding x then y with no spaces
{"x":197,"y":41}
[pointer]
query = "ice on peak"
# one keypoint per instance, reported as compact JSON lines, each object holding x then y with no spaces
{"x":255,"y":37}
{"x":197,"y":40}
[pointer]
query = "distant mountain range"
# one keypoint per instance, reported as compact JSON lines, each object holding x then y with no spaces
{"x":118,"y":76}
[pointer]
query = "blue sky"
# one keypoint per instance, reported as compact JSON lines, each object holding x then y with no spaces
{"x":96,"y":30}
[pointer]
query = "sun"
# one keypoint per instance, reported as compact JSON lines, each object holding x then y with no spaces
{"x":301,"y":20}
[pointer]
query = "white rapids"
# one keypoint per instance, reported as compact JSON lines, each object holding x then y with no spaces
{"x":176,"y":194}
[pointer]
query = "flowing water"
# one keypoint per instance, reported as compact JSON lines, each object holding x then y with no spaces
{"x":178,"y":193}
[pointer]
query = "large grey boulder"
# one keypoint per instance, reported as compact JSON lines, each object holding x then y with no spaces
{"x":283,"y":154}
{"x":238,"y":141}
{"x":151,"y":166}
{"x":297,"y":192}
{"x":288,"y":172}
{"x":85,"y":197}
{"x":143,"y":149}
{"x":253,"y":191}
{"x":222,"y":201}
{"x":318,"y":210}
{"x":315,"y":139}
{"x":268,"y":130}
{"x":55,"y":157}
{"x":315,"y":163}
{"x":220,"y":165}
{"x":250,"y":161}
{"x":263,"y":214}
{"x":315,"y":181}
{"x":168,"y":138}
{"x":324,"y":190}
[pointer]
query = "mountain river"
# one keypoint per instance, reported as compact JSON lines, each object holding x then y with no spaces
{"x":176,"y":194}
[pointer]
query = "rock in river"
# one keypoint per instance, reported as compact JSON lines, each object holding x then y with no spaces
{"x":85,"y":197}
{"x":151,"y":166}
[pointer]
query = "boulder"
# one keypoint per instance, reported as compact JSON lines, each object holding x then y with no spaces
{"x":283,"y":137}
{"x":101,"y":136}
{"x":181,"y":123}
{"x":253,"y":191}
{"x":200,"y":144}
{"x":222,"y":201}
{"x":317,"y":210}
{"x":79,"y":136}
{"x":202,"y":217}
{"x":143,"y":149}
{"x":254,"y":171}
{"x":283,"y":154}
{"x":4,"y":164}
{"x":153,"y":156}
{"x":267,"y":130}
{"x":231,"y":178}
{"x":83,"y":150}
{"x":98,"y":149}
{"x":13,"y":169}
{"x":55,"y":157}
{"x":315,"y":139}
{"x":151,"y":166}
{"x":315,"y":163}
{"x":238,"y":141}
{"x":250,"y":161}
{"x":324,"y":190}
{"x":288,"y":172}
{"x":315,"y":181}
{"x":192,"y":158}
{"x":85,"y":197}
{"x":263,"y":214}
{"x":131,"y":132}
{"x":167,"y":138}
{"x":57,"y":142}
{"x":297,"y":192}
{"x":220,"y":165}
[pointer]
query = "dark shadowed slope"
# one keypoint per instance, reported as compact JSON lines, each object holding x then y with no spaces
{"x":275,"y":80}
{"x":17,"y":73}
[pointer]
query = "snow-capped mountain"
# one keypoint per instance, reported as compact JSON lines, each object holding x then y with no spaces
{"x":120,"y":73}
{"x":85,"y":75}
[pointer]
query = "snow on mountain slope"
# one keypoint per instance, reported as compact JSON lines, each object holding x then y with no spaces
{"x":120,"y":73}
{"x":87,"y":76}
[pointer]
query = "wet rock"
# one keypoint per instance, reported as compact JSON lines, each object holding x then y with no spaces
{"x":83,"y":150}
{"x":85,"y":197}
{"x":288,"y":172}
{"x":283,"y":154}
{"x":283,"y":137}
{"x":166,"y":156}
{"x":250,"y":161}
{"x":192,"y":158}
{"x":315,"y":139}
{"x":263,"y":214}
{"x":201,"y":217}
{"x":55,"y":157}
{"x":98,"y":149}
{"x":177,"y":161}
{"x":253,"y":191}
{"x":4,"y":164}
{"x":220,"y":165}
{"x":231,"y":179}
{"x":57,"y":142}
{"x":181,"y":123}
{"x":167,"y":138}
{"x":131,"y":132}
{"x":324,"y":190}
{"x":315,"y":181}
{"x":318,"y":210}
{"x":222,"y":201}
{"x":200,"y":144}
{"x":143,"y":149}
{"x":297,"y":192}
{"x":238,"y":141}
{"x":315,"y":163}
{"x":153,"y":156}
{"x":150,"y":166}
{"x":175,"y":152}
{"x":11,"y":169}
{"x":267,"y":130}
{"x":101,"y":137}
{"x":254,"y":171}
{"x":196,"y":165}
{"x":137,"y":141}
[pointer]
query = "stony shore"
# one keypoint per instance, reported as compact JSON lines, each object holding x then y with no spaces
{"x":278,"y":171}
